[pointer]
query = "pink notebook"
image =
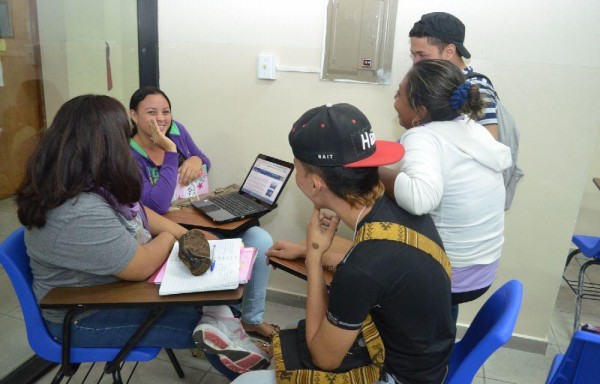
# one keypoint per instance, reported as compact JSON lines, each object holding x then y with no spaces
{"x":247,"y":257}
{"x":157,"y":276}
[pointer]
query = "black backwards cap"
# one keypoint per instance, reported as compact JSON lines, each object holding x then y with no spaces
{"x":446,"y":27}
{"x":340,"y":136}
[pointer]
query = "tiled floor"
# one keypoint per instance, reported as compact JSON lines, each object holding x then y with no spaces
{"x":505,"y":366}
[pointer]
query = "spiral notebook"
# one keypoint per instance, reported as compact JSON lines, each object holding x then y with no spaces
{"x":224,"y":276}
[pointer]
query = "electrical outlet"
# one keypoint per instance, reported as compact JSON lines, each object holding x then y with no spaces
{"x":266,"y":67}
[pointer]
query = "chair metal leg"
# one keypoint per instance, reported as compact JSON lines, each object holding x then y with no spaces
{"x":87,"y":374}
{"x":571,"y":255}
{"x":60,"y":374}
{"x":579,"y":296}
{"x":154,"y":314}
{"x":116,"y":374}
{"x":58,"y":377}
{"x":175,"y":362}
{"x":132,"y":371}
{"x":581,"y":292}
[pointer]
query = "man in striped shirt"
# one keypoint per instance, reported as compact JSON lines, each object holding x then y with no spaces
{"x":440,"y":35}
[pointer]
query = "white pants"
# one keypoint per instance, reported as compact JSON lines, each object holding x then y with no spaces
{"x":268,"y":377}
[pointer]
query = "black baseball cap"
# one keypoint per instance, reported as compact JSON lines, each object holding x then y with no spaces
{"x":445,"y":27}
{"x":340,"y":135}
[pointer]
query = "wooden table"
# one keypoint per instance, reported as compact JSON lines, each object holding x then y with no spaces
{"x":190,"y":217}
{"x":297,"y":268}
{"x":125,"y":294}
{"x":131,"y":293}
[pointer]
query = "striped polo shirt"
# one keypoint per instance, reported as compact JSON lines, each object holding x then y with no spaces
{"x":488,"y":95}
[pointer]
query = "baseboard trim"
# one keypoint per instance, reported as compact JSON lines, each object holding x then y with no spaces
{"x":518,"y":342}
{"x":291,"y":299}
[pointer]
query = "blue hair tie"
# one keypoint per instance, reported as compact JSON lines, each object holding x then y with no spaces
{"x":459,"y":96}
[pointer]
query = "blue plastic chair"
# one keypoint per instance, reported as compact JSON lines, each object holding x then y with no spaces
{"x":589,"y":246}
{"x":491,"y":329}
{"x":580,"y":364}
{"x":14,"y":258}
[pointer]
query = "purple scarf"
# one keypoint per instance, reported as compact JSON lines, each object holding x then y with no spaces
{"x":129,"y":211}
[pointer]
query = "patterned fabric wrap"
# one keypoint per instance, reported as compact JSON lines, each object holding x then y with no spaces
{"x":397,"y":232}
{"x":370,"y":373}
{"x":361,"y":375}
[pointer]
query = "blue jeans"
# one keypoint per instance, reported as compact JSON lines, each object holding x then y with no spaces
{"x":255,"y":291}
{"x":113,"y":327}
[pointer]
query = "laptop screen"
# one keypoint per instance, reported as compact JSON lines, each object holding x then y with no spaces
{"x":267,"y":178}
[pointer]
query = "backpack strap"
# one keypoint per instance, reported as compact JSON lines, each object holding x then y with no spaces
{"x":474,"y":74}
{"x":396,"y":232}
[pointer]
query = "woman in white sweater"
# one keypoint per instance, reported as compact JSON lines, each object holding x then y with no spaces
{"x":452,"y":170}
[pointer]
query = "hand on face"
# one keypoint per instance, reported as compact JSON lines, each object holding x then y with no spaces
{"x":320,"y":232}
{"x":160,"y":138}
{"x":190,"y":170}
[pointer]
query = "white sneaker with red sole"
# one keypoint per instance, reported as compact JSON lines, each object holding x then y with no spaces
{"x":226,"y":337}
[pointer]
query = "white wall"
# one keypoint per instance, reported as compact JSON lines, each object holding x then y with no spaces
{"x":542,"y":57}
{"x":73,"y":37}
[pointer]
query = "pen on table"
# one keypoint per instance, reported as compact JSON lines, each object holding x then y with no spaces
{"x":212,"y":256}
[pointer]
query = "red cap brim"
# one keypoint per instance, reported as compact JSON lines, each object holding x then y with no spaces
{"x":386,"y":152}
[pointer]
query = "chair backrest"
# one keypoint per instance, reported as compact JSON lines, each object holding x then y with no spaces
{"x":14,"y":259}
{"x":491,"y":328}
{"x":580,"y":364}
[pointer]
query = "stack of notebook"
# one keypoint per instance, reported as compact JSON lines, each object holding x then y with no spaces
{"x":232,"y":266}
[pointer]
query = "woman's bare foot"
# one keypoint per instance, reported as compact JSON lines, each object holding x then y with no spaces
{"x":263,"y":330}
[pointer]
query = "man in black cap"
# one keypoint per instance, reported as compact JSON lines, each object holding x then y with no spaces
{"x":403,"y":285}
{"x":440,"y":35}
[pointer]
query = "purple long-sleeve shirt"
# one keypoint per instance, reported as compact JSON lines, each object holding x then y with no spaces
{"x":159,"y":182}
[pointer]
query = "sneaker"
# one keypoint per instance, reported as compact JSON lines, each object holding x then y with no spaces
{"x":226,"y":338}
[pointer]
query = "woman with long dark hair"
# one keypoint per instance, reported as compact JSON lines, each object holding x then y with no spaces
{"x":85,"y":226}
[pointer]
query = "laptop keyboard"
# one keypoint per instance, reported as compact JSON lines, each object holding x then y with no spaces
{"x":236,"y":206}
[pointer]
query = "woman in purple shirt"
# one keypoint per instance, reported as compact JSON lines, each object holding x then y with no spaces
{"x":166,"y":156}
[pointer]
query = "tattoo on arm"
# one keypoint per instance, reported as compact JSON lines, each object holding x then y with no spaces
{"x":315,"y":245}
{"x":329,"y":267}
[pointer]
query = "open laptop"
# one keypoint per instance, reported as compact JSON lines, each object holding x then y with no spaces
{"x":257,"y":195}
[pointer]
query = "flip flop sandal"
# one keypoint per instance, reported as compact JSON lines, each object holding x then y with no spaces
{"x":257,"y":335}
{"x":264,"y":346}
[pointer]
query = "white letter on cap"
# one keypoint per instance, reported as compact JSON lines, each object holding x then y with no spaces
{"x":366,"y":143}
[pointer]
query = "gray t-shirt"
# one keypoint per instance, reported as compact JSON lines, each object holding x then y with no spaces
{"x":84,"y":242}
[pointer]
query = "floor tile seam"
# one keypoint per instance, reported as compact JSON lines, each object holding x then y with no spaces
{"x":185,"y":364}
{"x":555,"y":339}
{"x":501,"y":381}
{"x":201,"y":381}
{"x":14,"y":317}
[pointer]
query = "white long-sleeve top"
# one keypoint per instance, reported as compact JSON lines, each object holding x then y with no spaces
{"x":453,"y":170}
